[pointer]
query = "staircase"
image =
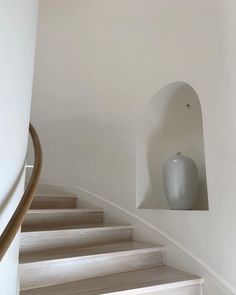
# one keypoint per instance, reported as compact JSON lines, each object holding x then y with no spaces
{"x":68,"y":251}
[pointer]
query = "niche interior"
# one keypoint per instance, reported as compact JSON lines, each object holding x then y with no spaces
{"x":170,"y":123}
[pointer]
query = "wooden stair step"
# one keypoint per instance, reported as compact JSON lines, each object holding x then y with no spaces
{"x":53,"y":202}
{"x":111,"y":249}
{"x":49,"y":219}
{"x":96,"y":234}
{"x":55,"y":267}
{"x":162,"y":280}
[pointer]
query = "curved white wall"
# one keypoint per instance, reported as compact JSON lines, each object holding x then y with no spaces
{"x":18,"y":35}
{"x":99,"y":63}
{"x":170,"y":123}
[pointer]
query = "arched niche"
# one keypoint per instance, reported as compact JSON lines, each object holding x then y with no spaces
{"x":171,"y":122}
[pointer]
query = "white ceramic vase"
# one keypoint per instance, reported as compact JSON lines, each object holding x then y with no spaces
{"x":180,"y":178}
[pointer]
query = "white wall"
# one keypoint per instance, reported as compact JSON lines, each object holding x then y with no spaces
{"x":17,"y":35}
{"x":98,"y":65}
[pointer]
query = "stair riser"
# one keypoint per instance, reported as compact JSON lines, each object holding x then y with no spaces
{"x":53,"y":203}
{"x":43,"y":241}
{"x":35,"y":222}
{"x":60,"y":271}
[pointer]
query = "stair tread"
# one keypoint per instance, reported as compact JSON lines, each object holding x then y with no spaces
{"x":73,"y":253}
{"x":55,"y":196}
{"x":62,"y":211}
{"x":47,"y":219}
{"x":80,"y":227}
{"x":90,"y":235}
{"x":49,"y":202}
{"x":133,"y":282}
{"x":63,"y":227}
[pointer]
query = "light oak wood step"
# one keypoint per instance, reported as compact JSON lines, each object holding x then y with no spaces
{"x":110,"y":249}
{"x":49,"y":219}
{"x":51,"y":267}
{"x":39,"y":241}
{"x":51,"y":202}
{"x":161,"y":280}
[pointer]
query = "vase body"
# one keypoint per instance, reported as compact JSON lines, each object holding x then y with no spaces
{"x":180,"y":178}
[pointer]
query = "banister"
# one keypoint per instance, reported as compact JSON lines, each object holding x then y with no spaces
{"x":17,"y":218}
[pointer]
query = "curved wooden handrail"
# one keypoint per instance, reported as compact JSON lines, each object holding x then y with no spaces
{"x":17,"y":218}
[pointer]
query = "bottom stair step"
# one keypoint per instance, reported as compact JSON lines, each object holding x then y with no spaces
{"x":67,"y":265}
{"x":160,"y":280}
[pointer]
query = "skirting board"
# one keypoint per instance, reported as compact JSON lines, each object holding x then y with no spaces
{"x":176,"y":255}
